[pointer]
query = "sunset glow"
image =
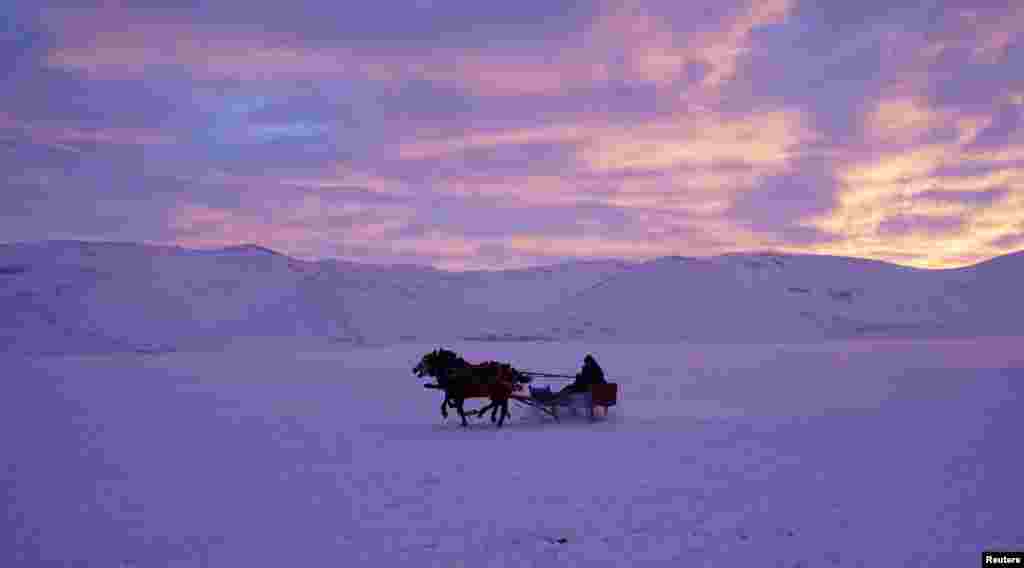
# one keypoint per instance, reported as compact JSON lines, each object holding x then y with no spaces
{"x":471,"y":135}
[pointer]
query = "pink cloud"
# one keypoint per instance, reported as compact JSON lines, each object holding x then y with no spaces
{"x":67,"y":136}
{"x":104,"y":42}
{"x":657,"y":53}
{"x":124,"y":136}
{"x":304,"y":225}
{"x":684,"y":139}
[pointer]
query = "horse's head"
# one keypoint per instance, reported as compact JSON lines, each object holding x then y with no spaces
{"x":438,"y":363}
{"x":427,"y":365}
{"x":421,"y":368}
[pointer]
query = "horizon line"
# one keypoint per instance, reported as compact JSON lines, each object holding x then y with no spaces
{"x":765,"y":252}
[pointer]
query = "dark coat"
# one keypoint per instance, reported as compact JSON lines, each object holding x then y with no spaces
{"x":590,"y":374}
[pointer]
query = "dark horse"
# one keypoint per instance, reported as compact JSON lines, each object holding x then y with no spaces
{"x":460,"y":380}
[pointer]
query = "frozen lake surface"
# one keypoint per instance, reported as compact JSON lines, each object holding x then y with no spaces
{"x":276,"y":453}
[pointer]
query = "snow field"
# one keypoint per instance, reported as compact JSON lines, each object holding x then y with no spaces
{"x":836,"y":454}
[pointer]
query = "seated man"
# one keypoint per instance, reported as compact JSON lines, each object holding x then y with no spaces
{"x":590,"y":374}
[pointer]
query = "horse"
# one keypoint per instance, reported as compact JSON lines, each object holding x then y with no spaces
{"x":439,"y":364}
{"x":460,"y":380}
{"x":499,"y":380}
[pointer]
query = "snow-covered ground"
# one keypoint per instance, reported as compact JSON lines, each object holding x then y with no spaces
{"x":286,"y":453}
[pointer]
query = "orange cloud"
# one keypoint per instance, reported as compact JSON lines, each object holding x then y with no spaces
{"x":890,"y":186}
{"x":902,"y":119}
{"x":759,"y":139}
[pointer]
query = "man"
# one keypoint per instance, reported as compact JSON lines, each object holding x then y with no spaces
{"x":590,"y":374}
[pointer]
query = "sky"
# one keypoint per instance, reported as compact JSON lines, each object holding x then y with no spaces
{"x":467,"y":135}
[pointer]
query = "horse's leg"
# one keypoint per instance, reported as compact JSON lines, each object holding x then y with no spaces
{"x":504,"y":411}
{"x":462,"y":412}
{"x":505,"y":414}
{"x":499,"y":399}
{"x":480,"y":413}
{"x":444,"y":404}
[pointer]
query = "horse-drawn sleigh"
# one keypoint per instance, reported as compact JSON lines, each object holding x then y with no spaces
{"x":501,"y":383}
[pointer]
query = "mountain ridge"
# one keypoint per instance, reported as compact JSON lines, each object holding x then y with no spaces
{"x":79,"y":296}
{"x":251,"y":248}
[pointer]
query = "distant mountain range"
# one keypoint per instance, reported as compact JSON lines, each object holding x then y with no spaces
{"x":79,"y":297}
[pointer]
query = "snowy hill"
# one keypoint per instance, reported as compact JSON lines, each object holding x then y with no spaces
{"x":771,"y":297}
{"x":67,"y":296}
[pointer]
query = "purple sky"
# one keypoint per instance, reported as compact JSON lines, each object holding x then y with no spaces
{"x":469,"y":134}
